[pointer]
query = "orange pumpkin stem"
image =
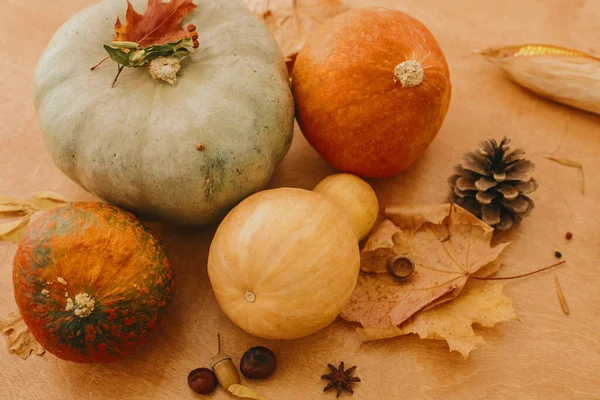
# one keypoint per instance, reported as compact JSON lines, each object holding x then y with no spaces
{"x":410,"y":73}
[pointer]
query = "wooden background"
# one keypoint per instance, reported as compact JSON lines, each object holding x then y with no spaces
{"x":545,"y":356}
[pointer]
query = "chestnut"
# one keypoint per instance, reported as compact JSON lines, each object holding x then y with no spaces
{"x":202,"y":380}
{"x":258,"y":363}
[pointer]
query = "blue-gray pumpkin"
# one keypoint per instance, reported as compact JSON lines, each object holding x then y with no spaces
{"x":185,"y":153}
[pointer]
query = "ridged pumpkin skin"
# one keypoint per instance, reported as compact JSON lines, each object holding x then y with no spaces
{"x":134,"y":145}
{"x":96,"y":252}
{"x":350,"y":104}
{"x":294,"y":252}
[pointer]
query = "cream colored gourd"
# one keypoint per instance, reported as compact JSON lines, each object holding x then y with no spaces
{"x":356,"y":198}
{"x":285,"y":261}
{"x":186,"y":153}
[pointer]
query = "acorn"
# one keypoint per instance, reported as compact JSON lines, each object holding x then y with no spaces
{"x":258,"y":363}
{"x":225,"y":371}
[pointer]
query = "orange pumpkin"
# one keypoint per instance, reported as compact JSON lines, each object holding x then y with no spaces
{"x":91,"y":282}
{"x":372,"y":88}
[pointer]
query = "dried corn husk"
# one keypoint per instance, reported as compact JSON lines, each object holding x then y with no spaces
{"x":567,"y":76}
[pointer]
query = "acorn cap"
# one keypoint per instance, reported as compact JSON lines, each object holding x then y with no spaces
{"x":218,"y":358}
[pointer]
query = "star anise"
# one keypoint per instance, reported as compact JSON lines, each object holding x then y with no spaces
{"x":340,"y":379}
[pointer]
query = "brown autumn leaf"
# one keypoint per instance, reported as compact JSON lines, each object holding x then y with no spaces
{"x":447,"y":245}
{"x":292,"y":21}
{"x":19,"y":339}
{"x":26,"y":211}
{"x":480,"y":302}
{"x":160,"y":24}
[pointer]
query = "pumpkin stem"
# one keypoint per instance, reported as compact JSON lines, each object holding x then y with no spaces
{"x":410,"y":73}
{"x":250,"y":296}
{"x":83,"y":305}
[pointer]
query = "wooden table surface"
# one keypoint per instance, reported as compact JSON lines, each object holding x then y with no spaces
{"x":546,"y":355}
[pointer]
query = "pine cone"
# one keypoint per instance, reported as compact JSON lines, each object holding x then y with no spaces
{"x":492,"y":184}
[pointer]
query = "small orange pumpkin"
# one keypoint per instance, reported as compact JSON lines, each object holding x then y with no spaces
{"x":91,"y":282}
{"x":372,"y":88}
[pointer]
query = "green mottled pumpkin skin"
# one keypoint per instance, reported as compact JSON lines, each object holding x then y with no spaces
{"x":104,"y":252}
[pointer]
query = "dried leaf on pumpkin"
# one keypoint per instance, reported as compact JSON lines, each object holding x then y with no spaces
{"x":19,"y":339}
{"x":292,"y":21}
{"x":25,"y":209}
{"x":447,"y":245}
{"x":144,"y":38}
{"x":160,"y":24}
{"x":480,"y":302}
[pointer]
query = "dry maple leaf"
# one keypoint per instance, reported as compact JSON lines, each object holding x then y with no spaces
{"x":160,"y":24}
{"x":447,"y":245}
{"x":292,"y":21}
{"x":480,"y":302}
{"x":19,"y":339}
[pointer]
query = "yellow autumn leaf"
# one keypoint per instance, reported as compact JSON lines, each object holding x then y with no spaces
{"x":48,"y":195}
{"x":12,"y":208}
{"x":12,"y":230}
{"x":245,"y":392}
{"x":292,"y":21}
{"x":46,"y":200}
{"x":10,"y":205}
{"x":19,"y":339}
{"x":447,"y":245}
{"x":480,"y":302}
{"x":26,"y":209}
